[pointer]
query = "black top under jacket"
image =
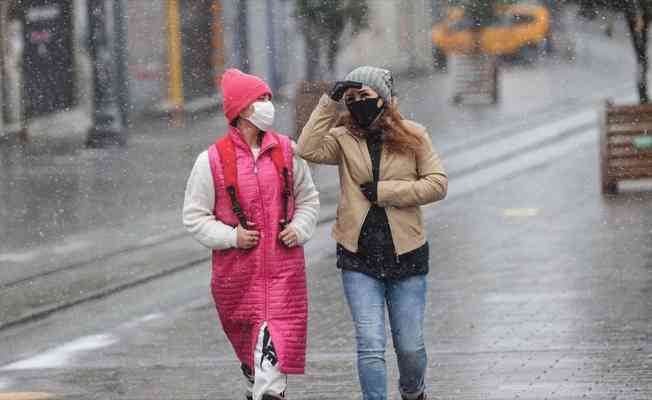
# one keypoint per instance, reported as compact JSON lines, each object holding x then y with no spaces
{"x":376,"y":255}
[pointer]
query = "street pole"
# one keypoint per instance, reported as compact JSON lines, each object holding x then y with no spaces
{"x":3,"y":27}
{"x":242,"y":36}
{"x":284,"y":52}
{"x":438,"y":8}
{"x":108,"y":116}
{"x":271,"y":46}
{"x":411,"y":35}
{"x":122,"y":57}
{"x":175,"y":67}
{"x":218,"y":42}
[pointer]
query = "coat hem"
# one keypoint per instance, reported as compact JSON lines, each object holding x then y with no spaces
{"x":399,"y":252}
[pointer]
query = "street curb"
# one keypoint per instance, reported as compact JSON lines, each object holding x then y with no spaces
{"x":43,"y":312}
{"x":192,"y":107}
{"x":103,"y":257}
{"x":327,"y":215}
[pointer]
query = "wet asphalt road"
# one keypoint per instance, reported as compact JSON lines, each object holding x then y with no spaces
{"x":539,"y":287}
{"x":53,"y":203}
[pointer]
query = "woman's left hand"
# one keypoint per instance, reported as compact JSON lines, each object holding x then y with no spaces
{"x":289,"y":237}
{"x":370,"y":191}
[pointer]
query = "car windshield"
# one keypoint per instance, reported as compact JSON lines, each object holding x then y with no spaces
{"x":466,"y":23}
{"x":520,"y":19}
{"x":461,"y":25}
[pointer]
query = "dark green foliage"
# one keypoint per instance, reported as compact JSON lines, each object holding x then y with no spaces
{"x":323,"y":22}
{"x":481,"y":12}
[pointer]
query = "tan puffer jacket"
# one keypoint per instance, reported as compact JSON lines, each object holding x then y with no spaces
{"x":407,"y":181}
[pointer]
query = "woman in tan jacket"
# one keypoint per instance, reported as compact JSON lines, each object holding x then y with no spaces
{"x":387,"y":169}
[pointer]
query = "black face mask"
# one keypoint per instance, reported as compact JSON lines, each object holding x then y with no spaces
{"x":365,"y":112}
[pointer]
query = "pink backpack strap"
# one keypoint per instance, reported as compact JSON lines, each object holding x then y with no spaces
{"x":226,"y":149}
{"x":278,"y":157}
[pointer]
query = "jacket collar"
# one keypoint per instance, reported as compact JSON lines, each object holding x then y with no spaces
{"x":269,"y":141}
{"x":364,"y":152}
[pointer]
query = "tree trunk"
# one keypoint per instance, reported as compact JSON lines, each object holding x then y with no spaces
{"x":643,"y":62}
{"x":638,"y":32}
{"x":242,"y":36}
{"x":312,"y":55}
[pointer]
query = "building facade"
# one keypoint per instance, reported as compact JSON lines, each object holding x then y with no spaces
{"x":175,"y":52}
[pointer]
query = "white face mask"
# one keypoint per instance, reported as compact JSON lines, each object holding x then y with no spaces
{"x":263,"y":116}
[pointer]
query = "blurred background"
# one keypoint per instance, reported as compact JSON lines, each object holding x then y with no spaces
{"x":63,"y":60}
{"x":83,"y":75}
{"x":541,"y":278}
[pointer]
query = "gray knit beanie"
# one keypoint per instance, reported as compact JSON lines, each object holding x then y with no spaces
{"x":378,"y":79}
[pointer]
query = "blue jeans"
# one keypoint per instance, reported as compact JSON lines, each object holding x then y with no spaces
{"x":406,"y":301}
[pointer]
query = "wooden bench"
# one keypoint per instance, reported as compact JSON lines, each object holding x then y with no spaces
{"x":625,"y":144}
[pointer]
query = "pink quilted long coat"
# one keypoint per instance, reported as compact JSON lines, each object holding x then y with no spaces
{"x":268,"y":282}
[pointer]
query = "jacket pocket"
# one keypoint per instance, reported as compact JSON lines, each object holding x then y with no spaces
{"x":406,"y":225}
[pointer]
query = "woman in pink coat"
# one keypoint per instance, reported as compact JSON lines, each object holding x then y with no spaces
{"x":255,"y":205}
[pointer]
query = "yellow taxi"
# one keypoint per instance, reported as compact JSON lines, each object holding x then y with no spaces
{"x":518,"y":30}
